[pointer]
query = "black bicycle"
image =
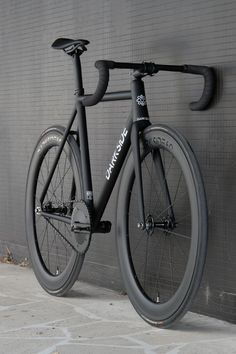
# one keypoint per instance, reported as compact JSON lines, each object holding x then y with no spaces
{"x":161,"y":204}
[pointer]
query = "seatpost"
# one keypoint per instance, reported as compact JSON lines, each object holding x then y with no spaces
{"x":79,"y":90}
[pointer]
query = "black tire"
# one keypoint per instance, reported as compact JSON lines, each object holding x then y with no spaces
{"x":162,"y":265}
{"x":56,"y":264}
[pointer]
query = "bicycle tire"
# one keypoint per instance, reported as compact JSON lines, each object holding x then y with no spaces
{"x":162,"y":289}
{"x":55,"y":263}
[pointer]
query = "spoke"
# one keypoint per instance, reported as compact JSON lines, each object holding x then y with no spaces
{"x":45,"y":167}
{"x":181,"y":250}
{"x":171,"y":267}
{"x":146,"y":261}
{"x":62,"y":180}
{"x":48,"y":250}
{"x":163,"y":159}
{"x":62,"y":239}
{"x":42,"y":175}
{"x":53,"y":192}
{"x":64,"y":170}
{"x":152,"y":183}
{"x":178,"y":234}
{"x":183,"y":218}
{"x":65,"y":245}
{"x":60,"y":234}
{"x":171,"y":205}
{"x":172,"y":159}
{"x":54,"y":174}
{"x":57,"y":180}
{"x":56,"y":177}
{"x":47,"y":196}
{"x":159,"y":265}
{"x":138,"y":242}
{"x":54,"y":238}
{"x":162,"y":196}
{"x":178,"y":186}
{"x":44,"y":234}
{"x":150,"y":190}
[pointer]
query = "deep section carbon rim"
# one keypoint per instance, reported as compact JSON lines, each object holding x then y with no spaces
{"x":162,"y":261}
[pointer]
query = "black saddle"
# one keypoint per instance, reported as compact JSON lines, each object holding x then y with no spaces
{"x":70,"y":46}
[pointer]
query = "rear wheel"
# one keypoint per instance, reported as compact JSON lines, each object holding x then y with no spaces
{"x":55,"y":262}
{"x":162,"y":261}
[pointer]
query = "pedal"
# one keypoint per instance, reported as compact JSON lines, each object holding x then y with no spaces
{"x":104,"y":227}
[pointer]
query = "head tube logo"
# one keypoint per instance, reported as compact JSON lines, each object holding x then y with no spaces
{"x":141,"y":100}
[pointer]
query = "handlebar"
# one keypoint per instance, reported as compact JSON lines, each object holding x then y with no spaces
{"x":209,"y":85}
{"x":104,"y":66}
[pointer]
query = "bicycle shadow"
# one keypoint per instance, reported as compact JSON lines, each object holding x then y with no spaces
{"x":87,"y":291}
{"x":199,"y":324}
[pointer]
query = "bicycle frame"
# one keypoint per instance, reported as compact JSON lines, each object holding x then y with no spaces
{"x":137,"y":121}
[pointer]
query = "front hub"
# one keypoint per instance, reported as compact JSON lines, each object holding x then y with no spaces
{"x":166,"y":224}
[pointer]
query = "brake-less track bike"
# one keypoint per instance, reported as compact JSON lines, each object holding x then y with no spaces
{"x":161,"y":205}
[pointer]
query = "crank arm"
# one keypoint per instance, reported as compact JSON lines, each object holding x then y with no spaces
{"x":79,"y":227}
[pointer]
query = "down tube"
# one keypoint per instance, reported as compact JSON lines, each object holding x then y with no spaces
{"x":113,"y":170}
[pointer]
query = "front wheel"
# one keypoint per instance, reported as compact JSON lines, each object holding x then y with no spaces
{"x":162,"y":261}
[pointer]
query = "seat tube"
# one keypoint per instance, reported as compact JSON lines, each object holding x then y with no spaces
{"x":83,"y":136}
{"x":85,"y":158}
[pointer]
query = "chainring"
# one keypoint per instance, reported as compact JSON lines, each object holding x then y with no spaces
{"x":81,"y":226}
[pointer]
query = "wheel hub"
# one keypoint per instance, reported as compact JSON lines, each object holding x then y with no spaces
{"x":50,"y":207}
{"x":166,"y":224}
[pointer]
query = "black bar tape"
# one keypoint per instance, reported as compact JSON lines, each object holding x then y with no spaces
{"x":103,"y":67}
{"x":209,"y":85}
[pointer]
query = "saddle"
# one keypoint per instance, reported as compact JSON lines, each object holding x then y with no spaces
{"x":70,"y":46}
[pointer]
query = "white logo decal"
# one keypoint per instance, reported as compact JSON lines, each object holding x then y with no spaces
{"x":141,"y":100}
{"x":116,"y":153}
{"x":89,"y":195}
{"x":142,"y":118}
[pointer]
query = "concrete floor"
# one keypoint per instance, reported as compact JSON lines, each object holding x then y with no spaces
{"x":94,"y":320}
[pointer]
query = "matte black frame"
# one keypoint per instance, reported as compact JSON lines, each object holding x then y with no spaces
{"x":98,"y":206}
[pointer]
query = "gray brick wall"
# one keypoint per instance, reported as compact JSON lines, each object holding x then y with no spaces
{"x":36,"y":90}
